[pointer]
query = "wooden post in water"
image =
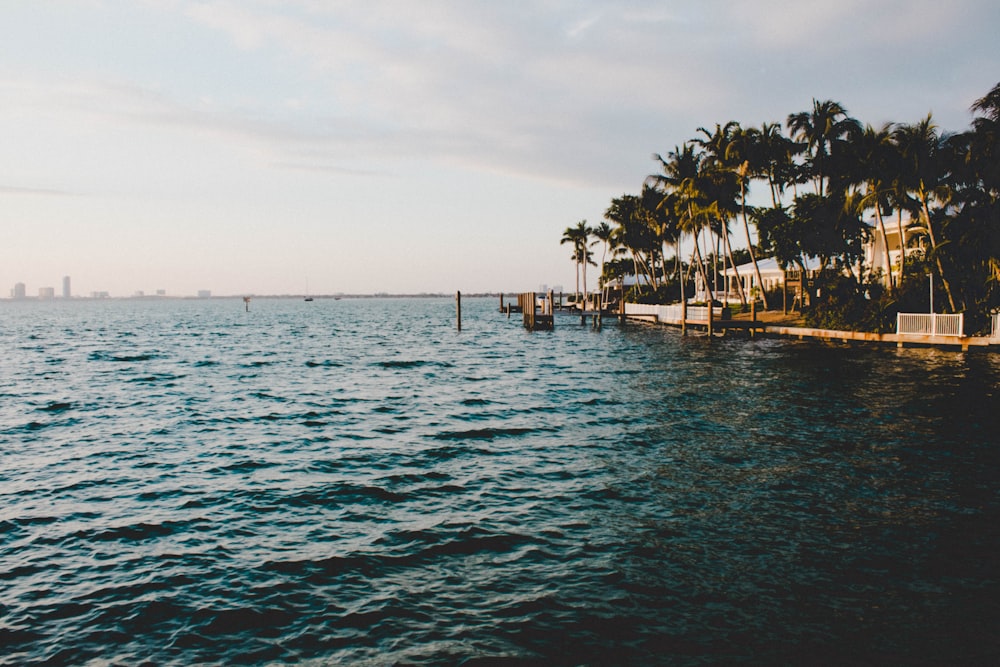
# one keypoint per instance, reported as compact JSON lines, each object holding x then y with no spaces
{"x":458,"y":310}
{"x":753,"y":317}
{"x":710,"y":308}
{"x":246,"y":303}
{"x":684,"y":316}
{"x":501,"y":302}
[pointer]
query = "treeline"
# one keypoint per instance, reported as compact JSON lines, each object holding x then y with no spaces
{"x":825,"y":174}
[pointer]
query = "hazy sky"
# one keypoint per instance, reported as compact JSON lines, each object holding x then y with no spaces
{"x":275,"y":146}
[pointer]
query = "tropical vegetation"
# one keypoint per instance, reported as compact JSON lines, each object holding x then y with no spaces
{"x":829,"y":184}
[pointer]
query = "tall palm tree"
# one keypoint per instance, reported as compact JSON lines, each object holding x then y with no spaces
{"x":721,"y":171}
{"x":821,"y":131}
{"x":920,"y":147}
{"x":603,"y":234}
{"x":682,"y":175}
{"x":984,"y":160}
{"x":874,"y":153}
{"x":771,"y":157}
{"x":632,"y":229}
{"x":577,"y":237}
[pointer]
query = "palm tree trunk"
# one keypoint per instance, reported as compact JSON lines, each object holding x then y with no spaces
{"x":902,"y":243}
{"x":677,"y":265}
{"x":746,"y":231}
{"x":701,"y":262}
{"x":736,"y":273}
{"x":635,"y":271}
{"x":937,"y":258}
{"x":578,"y":281}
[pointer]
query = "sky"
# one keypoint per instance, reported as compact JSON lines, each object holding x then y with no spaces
{"x":321,"y":147}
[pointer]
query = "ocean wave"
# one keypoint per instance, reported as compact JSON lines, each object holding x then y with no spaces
{"x":485,"y":433}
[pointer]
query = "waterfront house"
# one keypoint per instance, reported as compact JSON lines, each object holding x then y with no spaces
{"x":772,"y":278}
{"x":875,"y":260}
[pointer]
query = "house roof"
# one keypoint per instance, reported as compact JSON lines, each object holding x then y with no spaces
{"x":769,"y":266}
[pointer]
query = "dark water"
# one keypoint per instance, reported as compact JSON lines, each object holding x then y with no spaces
{"x":355,"y":482}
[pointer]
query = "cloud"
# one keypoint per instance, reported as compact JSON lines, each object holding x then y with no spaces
{"x":568,"y":92}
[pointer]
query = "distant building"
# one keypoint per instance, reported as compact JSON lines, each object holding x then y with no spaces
{"x":99,"y":295}
{"x":19,"y":291}
{"x":204,"y":293}
{"x":139,"y":294}
{"x":46,"y":292}
{"x":161,"y":292}
{"x":66,"y":289}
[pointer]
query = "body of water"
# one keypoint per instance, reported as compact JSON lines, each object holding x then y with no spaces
{"x":356,"y":482}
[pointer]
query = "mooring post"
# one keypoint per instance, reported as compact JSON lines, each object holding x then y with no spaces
{"x":710,"y":317}
{"x":246,"y":303}
{"x":501,"y":302}
{"x":753,"y":317}
{"x":458,"y":310}
{"x":684,"y":316}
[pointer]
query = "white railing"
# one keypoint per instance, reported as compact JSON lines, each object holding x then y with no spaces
{"x":930,"y":324}
{"x":672,"y":313}
{"x":996,"y":325}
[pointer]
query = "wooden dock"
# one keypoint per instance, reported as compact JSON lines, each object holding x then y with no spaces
{"x":755,"y":327}
{"x":900,"y":340}
{"x":536,"y":316}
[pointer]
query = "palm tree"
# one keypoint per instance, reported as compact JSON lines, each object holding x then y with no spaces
{"x":724,"y":172}
{"x":604,"y":235}
{"x":771,"y":157}
{"x":577,"y":236}
{"x":984,"y":160}
{"x":633,"y":230}
{"x":874,"y":152}
{"x":682,"y":176}
{"x":920,"y":150}
{"x":821,"y":131}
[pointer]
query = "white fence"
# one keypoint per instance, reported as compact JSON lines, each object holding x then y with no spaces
{"x":931,"y":324}
{"x":674,"y":312}
{"x":996,"y":325}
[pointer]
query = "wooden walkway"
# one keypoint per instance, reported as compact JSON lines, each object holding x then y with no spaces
{"x":785,"y":326}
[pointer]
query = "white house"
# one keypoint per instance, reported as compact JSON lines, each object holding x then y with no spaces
{"x":875,"y":249}
{"x":772,"y":277}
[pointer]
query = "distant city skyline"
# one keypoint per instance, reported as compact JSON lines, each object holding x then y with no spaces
{"x":20,"y":290}
{"x":278,"y":148}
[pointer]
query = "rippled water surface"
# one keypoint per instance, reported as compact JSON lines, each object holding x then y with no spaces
{"x":356,"y":482}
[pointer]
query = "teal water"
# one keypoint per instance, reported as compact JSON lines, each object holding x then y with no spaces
{"x":356,"y":482}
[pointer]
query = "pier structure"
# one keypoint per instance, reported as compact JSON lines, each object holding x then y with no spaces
{"x":537,"y":316}
{"x":715,"y":320}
